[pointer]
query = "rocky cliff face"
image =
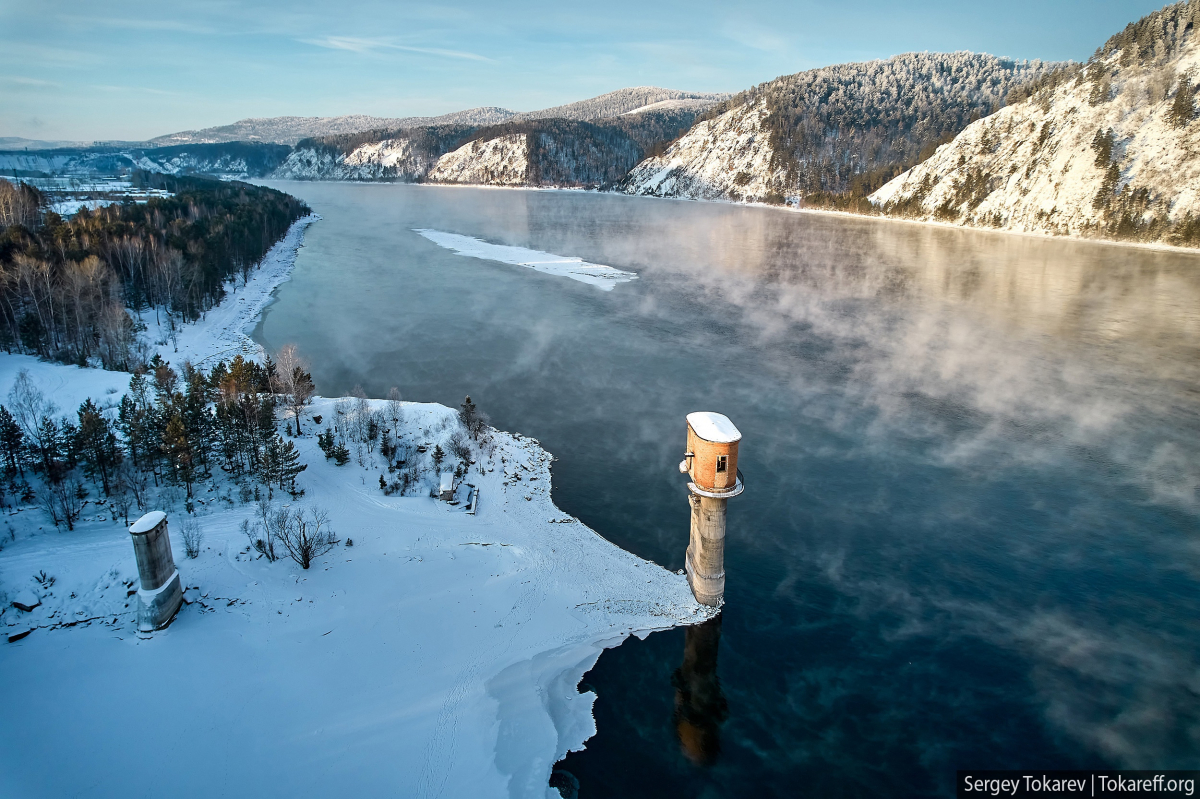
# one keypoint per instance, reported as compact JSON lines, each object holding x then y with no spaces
{"x":1110,"y":149}
{"x":396,"y":159}
{"x":503,"y":161}
{"x":540,"y":152}
{"x":728,"y":157}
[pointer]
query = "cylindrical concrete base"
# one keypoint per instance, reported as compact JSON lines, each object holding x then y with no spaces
{"x":161,"y":594}
{"x":157,"y":608}
{"x":705,"y":561}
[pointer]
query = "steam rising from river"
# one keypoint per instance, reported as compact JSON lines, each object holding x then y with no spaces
{"x":965,"y":439}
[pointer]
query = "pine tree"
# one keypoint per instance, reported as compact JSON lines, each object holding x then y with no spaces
{"x":289,"y":465}
{"x":197,"y":417}
{"x":1183,"y":109}
{"x":178,"y":450}
{"x":48,"y":448}
{"x":1102,"y":145}
{"x":66,"y":446}
{"x":269,"y":469}
{"x":341,"y":455}
{"x":325,"y":442}
{"x":97,"y":444}
{"x":11,"y":442}
{"x":472,"y":419}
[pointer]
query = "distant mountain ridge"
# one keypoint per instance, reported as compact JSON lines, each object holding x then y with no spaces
{"x":292,"y":130}
{"x":632,"y":100}
{"x":18,"y":143}
{"x":225,"y":160}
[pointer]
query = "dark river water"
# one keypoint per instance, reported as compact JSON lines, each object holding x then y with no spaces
{"x":969,"y":534}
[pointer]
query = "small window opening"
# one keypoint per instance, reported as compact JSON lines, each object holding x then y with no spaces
{"x":722,"y":463}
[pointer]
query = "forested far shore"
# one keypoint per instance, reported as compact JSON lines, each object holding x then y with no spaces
{"x":67,"y":285}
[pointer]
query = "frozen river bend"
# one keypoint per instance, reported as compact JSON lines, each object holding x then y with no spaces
{"x":437,"y":656}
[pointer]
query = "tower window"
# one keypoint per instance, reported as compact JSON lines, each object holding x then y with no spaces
{"x":722,"y":463}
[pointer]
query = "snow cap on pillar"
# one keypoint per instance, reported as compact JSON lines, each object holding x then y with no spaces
{"x":147,"y":522}
{"x":714,"y":427}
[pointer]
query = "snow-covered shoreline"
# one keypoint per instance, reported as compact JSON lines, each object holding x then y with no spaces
{"x":224,"y":331}
{"x":437,"y":656}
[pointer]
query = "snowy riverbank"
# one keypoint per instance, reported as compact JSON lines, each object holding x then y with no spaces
{"x":437,"y":656}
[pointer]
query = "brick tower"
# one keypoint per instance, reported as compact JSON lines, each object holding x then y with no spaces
{"x":711,"y":463}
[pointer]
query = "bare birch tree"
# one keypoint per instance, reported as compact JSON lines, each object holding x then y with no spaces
{"x":395,"y":408}
{"x":293,"y":381}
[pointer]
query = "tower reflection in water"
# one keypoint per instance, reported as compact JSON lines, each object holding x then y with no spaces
{"x":700,"y":707}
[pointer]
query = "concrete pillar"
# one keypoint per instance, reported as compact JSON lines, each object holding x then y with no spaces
{"x":160,"y":594}
{"x":706,"y":549}
{"x":711,"y":463}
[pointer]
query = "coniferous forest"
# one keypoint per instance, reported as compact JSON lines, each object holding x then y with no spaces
{"x":178,"y":428}
{"x":849,"y":128}
{"x":67,"y":285}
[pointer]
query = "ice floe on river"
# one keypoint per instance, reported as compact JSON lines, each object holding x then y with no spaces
{"x":598,"y":275}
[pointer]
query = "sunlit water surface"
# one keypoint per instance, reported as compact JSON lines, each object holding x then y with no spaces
{"x":969,"y":534}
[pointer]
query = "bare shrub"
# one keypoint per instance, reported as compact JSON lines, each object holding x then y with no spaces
{"x":343,"y":410}
{"x":460,"y":446}
{"x":251,"y":531}
{"x":30,"y":407}
{"x":193,"y":537}
{"x":63,"y":502}
{"x":306,"y":535}
{"x":263,"y":533}
{"x":395,"y":408}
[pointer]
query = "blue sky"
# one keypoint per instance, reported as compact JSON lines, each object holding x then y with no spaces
{"x":131,"y":69}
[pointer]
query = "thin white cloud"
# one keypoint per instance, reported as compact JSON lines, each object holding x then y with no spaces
{"x":22,"y":81}
{"x":22,"y":52}
{"x":357,"y":44}
{"x":140,"y":89}
{"x":141,"y":24}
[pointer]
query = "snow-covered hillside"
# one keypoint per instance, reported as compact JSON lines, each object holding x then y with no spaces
{"x":827,"y":130}
{"x":728,"y":157}
{"x":233,"y":160}
{"x":394,"y":158}
{"x":684,"y":103}
{"x":1112,"y":150}
{"x":503,"y":161}
{"x":633,"y":100}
